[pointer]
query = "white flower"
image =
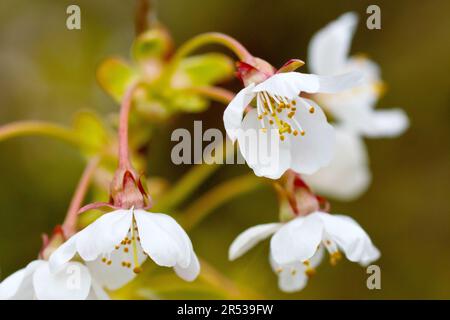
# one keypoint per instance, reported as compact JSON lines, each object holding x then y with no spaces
{"x":353,"y":111}
{"x":304,"y":138}
{"x":73,"y":281}
{"x":329,"y":55}
{"x":122,"y":239}
{"x":295,"y":245}
{"x":348,"y":174}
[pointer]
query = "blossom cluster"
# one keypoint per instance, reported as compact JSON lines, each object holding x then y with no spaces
{"x":319,"y":121}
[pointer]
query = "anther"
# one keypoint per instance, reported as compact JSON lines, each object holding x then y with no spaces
{"x":137,"y":270}
{"x":310,"y":272}
{"x":335,"y":257}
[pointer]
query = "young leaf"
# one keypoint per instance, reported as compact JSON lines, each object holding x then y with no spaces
{"x":115,"y":75}
{"x":203,"y":70}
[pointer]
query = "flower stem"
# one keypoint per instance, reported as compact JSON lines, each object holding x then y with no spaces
{"x":24,"y":128}
{"x":213,"y":38}
{"x":124,"y":157}
{"x":220,"y":194}
{"x":70,"y":222}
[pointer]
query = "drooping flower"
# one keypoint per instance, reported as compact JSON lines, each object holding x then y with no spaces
{"x":123,"y":239}
{"x":353,"y":110}
{"x":296,"y":244}
{"x":295,"y":127}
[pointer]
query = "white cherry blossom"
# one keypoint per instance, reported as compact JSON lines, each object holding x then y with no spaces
{"x":305,"y":140}
{"x":295,"y":245}
{"x":353,"y":110}
{"x":123,"y":239}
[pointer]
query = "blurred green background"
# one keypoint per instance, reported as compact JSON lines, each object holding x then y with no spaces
{"x":48,"y":72}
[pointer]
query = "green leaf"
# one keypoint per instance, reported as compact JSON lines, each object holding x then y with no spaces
{"x":153,"y":44}
{"x":115,"y":75}
{"x":203,"y":69}
{"x":91,"y":130}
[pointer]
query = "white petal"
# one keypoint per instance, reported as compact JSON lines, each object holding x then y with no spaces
{"x":316,"y":148}
{"x":63,"y":254}
{"x":232,"y":116}
{"x":10,"y":285}
{"x":99,"y":238}
{"x":317,"y":258}
{"x":19,"y":285}
{"x":163,"y":239}
{"x":72,"y":282}
{"x":264,"y":152}
{"x":250,"y":237}
{"x":348,"y":174}
{"x":103,"y":234}
{"x":297,"y":240}
{"x":289,"y":282}
{"x":191,"y":271}
{"x":114,"y":275}
{"x":386,"y":123}
{"x":329,"y":47}
{"x":369,"y":69}
{"x":291,"y":277}
{"x":350,"y":237}
{"x":291,"y":84}
{"x":351,"y":105}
